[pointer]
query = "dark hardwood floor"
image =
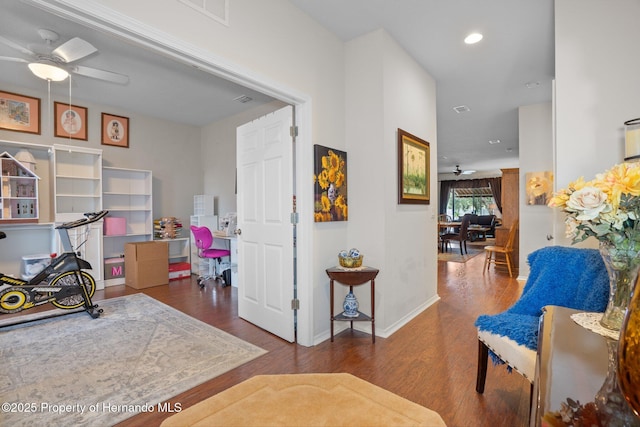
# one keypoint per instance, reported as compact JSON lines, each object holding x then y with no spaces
{"x":430,"y":361}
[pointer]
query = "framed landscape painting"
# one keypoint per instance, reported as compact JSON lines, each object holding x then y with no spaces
{"x":413,"y":169}
{"x":19,"y":113}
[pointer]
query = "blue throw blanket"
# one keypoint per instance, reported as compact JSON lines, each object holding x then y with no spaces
{"x":564,"y":276}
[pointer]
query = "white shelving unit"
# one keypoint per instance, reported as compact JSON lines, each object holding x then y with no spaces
{"x":178,"y":249}
{"x":127,"y":193}
{"x":77,"y":183}
{"x":77,"y":189}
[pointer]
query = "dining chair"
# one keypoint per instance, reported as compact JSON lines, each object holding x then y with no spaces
{"x":461,"y":236}
{"x":442,"y":230}
{"x":563,"y":276}
{"x":492,"y":251}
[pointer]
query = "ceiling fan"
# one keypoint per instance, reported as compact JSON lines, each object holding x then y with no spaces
{"x":55,"y":64}
{"x":459,"y":171}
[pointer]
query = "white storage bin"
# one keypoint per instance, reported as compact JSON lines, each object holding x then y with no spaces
{"x":203,"y":204}
{"x":33,"y":264}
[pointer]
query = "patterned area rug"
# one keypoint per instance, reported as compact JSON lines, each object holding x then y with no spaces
{"x":453,"y":255}
{"x":74,"y":370}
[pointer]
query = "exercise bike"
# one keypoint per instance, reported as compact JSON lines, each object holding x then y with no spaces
{"x":63,"y":283}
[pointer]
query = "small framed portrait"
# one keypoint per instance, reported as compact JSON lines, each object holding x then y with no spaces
{"x":115,"y":130}
{"x":19,"y":113}
{"x":71,"y":121}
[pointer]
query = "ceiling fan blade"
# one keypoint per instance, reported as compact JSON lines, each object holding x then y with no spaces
{"x":16,"y":46}
{"x":74,"y":49}
{"x":95,"y":73}
{"x":9,"y":58}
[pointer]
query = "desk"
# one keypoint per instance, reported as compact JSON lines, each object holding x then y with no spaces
{"x":353,"y":277}
{"x":231,"y":243}
{"x":571,"y":362}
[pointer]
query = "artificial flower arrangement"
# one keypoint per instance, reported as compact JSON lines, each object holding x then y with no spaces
{"x":607,"y":208}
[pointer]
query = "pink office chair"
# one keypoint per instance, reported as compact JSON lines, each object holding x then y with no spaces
{"x":204,"y":240}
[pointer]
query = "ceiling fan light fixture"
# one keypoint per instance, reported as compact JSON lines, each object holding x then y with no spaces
{"x":473,"y":38}
{"x":48,"y":71}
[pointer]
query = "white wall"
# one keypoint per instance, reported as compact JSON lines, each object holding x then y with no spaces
{"x":276,"y":43}
{"x":170,"y":150}
{"x":597,"y":87}
{"x":536,"y":155}
{"x":387,"y":90}
{"x":218,"y":159}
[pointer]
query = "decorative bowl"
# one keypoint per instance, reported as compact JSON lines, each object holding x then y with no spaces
{"x":350,"y":262}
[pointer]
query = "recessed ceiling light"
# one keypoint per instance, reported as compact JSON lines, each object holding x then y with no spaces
{"x":473,"y":38}
{"x":461,"y":109}
{"x":494,"y":141}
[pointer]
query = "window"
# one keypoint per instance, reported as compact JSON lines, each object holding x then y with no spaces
{"x":470,"y":200}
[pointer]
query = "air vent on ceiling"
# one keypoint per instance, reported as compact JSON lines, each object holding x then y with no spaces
{"x":243,"y":98}
{"x":461,"y":109}
{"x":217,"y":10}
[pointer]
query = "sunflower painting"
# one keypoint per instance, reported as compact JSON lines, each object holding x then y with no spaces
{"x":330,"y":184}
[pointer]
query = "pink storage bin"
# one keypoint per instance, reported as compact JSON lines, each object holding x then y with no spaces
{"x":115,"y":226}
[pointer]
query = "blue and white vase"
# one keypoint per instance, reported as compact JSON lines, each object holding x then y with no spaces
{"x":350,"y":305}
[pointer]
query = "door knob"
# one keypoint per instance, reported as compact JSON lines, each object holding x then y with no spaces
{"x":238,"y":231}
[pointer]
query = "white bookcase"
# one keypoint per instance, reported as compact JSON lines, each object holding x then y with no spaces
{"x":127,"y":194}
{"x":178,"y":249}
{"x":77,"y":189}
{"x":77,"y":182}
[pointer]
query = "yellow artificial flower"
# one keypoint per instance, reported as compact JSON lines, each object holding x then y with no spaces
{"x":621,"y":179}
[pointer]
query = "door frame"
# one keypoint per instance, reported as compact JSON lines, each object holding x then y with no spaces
{"x":101,"y":18}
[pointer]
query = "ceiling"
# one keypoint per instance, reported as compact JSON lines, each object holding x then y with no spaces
{"x":490,"y":77}
{"x":158,"y":86}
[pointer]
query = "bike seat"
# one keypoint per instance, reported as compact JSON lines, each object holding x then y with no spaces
{"x":2,"y":235}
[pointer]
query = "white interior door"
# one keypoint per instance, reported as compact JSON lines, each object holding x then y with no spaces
{"x":265,"y":239}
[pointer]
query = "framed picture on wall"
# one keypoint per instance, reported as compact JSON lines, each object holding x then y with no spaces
{"x":115,"y":130}
{"x":413,"y":169}
{"x":19,"y":113}
{"x":330,"y":185}
{"x":71,"y":121}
